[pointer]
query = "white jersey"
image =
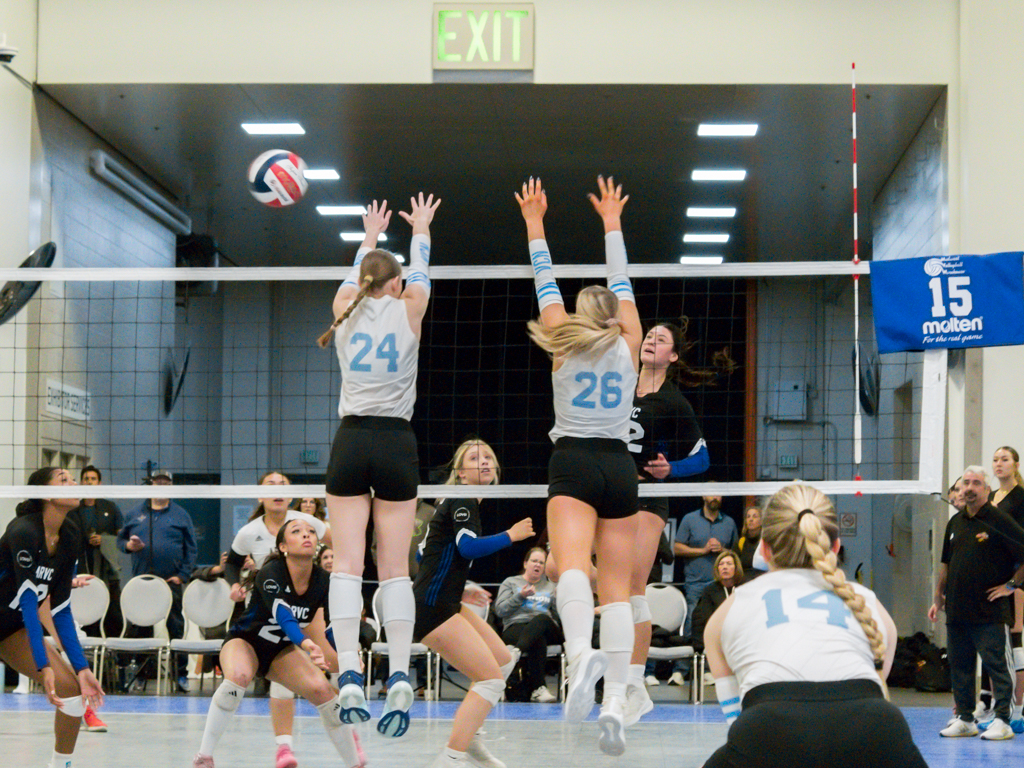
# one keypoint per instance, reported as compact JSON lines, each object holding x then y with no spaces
{"x":255,"y":540}
{"x":594,"y":394}
{"x":379,"y":355}
{"x":789,"y":626}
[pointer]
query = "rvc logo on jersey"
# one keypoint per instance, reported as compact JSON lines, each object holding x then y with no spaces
{"x":950,"y":287}
{"x":24,"y":558}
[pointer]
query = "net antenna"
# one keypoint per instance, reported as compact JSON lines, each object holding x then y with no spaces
{"x":857,"y":426}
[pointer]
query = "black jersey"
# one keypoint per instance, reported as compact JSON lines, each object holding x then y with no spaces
{"x":452,"y":542}
{"x":273,"y":588}
{"x":980,"y":552}
{"x":1013,"y":504}
{"x":662,"y":422}
{"x":25,"y":564}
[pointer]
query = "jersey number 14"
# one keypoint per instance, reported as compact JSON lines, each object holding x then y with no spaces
{"x":825,"y":600}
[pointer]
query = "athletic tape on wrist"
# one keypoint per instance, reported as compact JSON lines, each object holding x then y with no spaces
{"x":615,"y":256}
{"x":728,"y":691}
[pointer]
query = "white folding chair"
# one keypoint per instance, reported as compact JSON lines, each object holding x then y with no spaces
{"x":89,"y":604}
{"x":668,"y":611}
{"x":206,"y":604}
{"x":145,"y":602}
{"x":380,"y":650}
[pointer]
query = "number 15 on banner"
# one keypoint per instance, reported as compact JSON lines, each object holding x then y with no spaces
{"x":960,"y":301}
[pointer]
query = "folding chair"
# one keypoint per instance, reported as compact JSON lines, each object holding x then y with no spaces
{"x":668,"y":611}
{"x":89,"y":604}
{"x":206,"y":604}
{"x":145,"y":602}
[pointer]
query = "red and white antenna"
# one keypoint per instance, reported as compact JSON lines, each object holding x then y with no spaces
{"x":857,"y":435}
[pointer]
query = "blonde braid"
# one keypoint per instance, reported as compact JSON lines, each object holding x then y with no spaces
{"x":364,"y":288}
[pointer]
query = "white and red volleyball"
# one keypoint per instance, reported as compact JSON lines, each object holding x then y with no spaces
{"x":278,"y":178}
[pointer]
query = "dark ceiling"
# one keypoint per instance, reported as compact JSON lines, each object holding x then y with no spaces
{"x":474,"y":144}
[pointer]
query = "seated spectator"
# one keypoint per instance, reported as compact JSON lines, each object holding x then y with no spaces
{"x":526,"y":606}
{"x":311,"y":506}
{"x":750,"y":537}
{"x":728,"y":576}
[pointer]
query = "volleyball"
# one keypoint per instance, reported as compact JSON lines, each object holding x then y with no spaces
{"x":278,"y":178}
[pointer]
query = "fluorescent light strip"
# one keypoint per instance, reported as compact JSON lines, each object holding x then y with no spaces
{"x":727,"y":129}
{"x":357,"y":237}
{"x":711,"y":213}
{"x":737,"y":175}
{"x":701,"y":259}
{"x":273,"y":129}
{"x":321,"y":174}
{"x":341,"y":210}
{"x":695,"y":238}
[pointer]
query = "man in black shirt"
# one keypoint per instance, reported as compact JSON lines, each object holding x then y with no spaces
{"x":100,"y":521}
{"x":981,"y":549}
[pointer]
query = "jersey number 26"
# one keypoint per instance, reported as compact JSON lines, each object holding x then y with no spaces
{"x":610,"y":395}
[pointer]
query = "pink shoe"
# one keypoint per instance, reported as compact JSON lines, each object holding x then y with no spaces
{"x":359,"y":749}
{"x":203,"y":761}
{"x":286,"y":758}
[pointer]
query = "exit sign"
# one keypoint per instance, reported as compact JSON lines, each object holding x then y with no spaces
{"x":483,"y":36}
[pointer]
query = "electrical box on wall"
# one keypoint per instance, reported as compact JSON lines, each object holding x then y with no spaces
{"x":791,"y":401}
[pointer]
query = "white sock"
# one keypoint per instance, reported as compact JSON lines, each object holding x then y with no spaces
{"x":576,"y":609}
{"x":398,"y":612}
{"x":636,"y":675}
{"x":617,"y":644}
{"x":339,"y":734}
{"x":60,"y":760}
{"x":345,"y":602}
{"x":284,"y":739}
{"x":223,"y":704}
{"x":1016,"y":711}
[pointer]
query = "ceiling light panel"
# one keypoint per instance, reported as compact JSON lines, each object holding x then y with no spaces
{"x":727,"y":129}
{"x":710,"y":213}
{"x":341,"y":210}
{"x":701,"y":259}
{"x":727,"y":175}
{"x":357,"y":237}
{"x":321,"y":174}
{"x":692,"y":237}
{"x":273,"y":129}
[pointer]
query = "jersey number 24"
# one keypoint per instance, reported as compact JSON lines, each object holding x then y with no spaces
{"x":386,"y":350}
{"x":610,"y":395}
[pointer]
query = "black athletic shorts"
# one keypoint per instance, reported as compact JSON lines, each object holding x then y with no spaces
{"x":840,"y":723}
{"x":430,"y":617}
{"x":10,"y":622}
{"x":655,"y":505}
{"x":375,"y":453}
{"x":266,"y":651}
{"x":597,"y":471}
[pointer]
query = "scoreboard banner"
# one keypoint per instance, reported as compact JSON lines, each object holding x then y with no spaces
{"x":948,"y":302}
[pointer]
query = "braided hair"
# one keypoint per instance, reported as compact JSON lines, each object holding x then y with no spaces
{"x":800,"y":526}
{"x":378,"y":267}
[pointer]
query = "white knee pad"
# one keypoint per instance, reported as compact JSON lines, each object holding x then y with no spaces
{"x":73,"y":706}
{"x":616,"y":628}
{"x":489,"y":690}
{"x":506,"y":669}
{"x":1018,"y":659}
{"x":278,"y":691}
{"x":228,"y":696}
{"x":641,"y":609}
{"x":345,"y":598}
{"x":397,"y":602}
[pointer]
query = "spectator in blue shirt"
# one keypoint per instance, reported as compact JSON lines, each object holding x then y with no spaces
{"x":702,"y":534}
{"x":161,"y":540}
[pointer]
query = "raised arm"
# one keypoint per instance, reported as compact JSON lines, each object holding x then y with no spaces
{"x":417,"y":283}
{"x":533,"y":203}
{"x":375,"y":222}
{"x":609,"y":207}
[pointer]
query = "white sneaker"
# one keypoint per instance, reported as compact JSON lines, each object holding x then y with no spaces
{"x":983,"y":714}
{"x":480,"y":756}
{"x":652,"y":681}
{"x":676,"y":679}
{"x":613,"y":730}
{"x":959,"y":728}
{"x":584,"y":672}
{"x":443,"y":761}
{"x":638,"y":704}
{"x":543,"y":696}
{"x":999,"y":730}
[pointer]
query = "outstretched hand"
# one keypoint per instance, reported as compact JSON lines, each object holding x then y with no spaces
{"x":376,"y":219}
{"x":611,"y":202}
{"x":422,"y":213}
{"x":534,"y":201}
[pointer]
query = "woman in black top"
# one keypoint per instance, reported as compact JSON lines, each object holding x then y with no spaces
{"x":666,"y":442}
{"x":729,"y":574}
{"x":268,"y":640}
{"x":750,"y":536}
{"x":38,"y":556}
{"x":459,"y":635}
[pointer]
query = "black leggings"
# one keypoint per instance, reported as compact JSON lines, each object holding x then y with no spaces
{"x":532,"y":638}
{"x":818,"y":725}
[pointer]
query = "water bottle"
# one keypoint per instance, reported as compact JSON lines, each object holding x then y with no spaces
{"x":131,"y":671}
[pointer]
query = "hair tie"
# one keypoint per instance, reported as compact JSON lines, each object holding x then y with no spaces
{"x":612,"y":321}
{"x":800,"y":516}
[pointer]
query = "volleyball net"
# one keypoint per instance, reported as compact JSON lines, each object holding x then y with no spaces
{"x":214,"y":375}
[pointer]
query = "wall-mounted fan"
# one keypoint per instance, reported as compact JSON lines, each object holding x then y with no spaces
{"x":16,"y":293}
{"x":174,"y":380}
{"x":869,"y":379}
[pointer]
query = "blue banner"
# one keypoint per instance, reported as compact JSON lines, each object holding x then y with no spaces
{"x":948,"y":302}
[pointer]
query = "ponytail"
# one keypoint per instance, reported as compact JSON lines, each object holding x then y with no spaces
{"x":594,"y":327}
{"x":681,"y":372}
{"x":377,"y":268}
{"x":41,"y":476}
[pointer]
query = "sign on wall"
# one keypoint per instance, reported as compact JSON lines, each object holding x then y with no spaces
{"x":483,"y":36}
{"x":948,"y":302}
{"x":67,"y":401}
